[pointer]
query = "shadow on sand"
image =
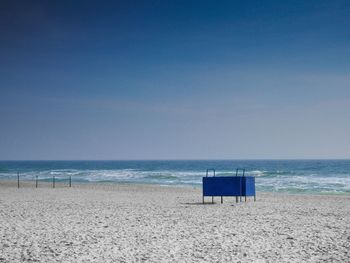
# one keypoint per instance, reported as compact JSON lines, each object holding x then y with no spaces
{"x":199,"y":203}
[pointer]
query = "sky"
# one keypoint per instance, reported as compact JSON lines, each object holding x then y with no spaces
{"x":174,"y":80}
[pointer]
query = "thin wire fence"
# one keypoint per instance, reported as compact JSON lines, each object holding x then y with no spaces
{"x":54,"y":181}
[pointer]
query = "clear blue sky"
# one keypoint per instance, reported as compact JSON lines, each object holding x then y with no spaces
{"x":174,"y":79}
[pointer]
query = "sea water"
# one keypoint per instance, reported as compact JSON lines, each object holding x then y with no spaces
{"x":292,"y":176}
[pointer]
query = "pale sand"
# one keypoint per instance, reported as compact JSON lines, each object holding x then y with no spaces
{"x":128,"y":223}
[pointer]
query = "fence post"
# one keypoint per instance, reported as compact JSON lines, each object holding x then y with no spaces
{"x":70,"y":181}
{"x":36,"y":181}
{"x":53,"y":182}
{"x":17,"y":179}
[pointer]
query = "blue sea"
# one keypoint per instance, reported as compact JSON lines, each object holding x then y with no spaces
{"x":292,"y":176}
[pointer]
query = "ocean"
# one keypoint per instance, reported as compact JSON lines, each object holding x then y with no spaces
{"x":291,"y":176}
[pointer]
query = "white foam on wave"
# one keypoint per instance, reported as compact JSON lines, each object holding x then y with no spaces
{"x":256,"y":173}
{"x":264,"y":179}
{"x":137,"y":175}
{"x":306,"y":182}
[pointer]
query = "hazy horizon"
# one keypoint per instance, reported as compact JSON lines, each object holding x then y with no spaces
{"x":169,"y":160}
{"x":174,"y":80}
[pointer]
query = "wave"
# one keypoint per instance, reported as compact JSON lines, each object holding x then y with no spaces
{"x":257,"y":173}
{"x":277,"y":178}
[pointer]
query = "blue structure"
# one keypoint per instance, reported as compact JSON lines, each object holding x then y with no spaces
{"x":237,"y":186}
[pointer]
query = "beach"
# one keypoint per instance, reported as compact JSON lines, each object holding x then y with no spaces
{"x":147,"y":223}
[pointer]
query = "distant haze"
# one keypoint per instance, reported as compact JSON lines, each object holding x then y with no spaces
{"x":174,"y":79}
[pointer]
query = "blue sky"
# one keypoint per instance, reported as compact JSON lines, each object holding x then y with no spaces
{"x":174,"y":79}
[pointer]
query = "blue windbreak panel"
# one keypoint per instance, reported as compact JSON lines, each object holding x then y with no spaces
{"x":248,"y":186}
{"x":222,"y":186}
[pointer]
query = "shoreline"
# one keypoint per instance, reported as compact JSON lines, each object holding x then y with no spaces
{"x":59,"y":184}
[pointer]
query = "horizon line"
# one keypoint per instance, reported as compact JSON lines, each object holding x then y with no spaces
{"x":215,"y":159}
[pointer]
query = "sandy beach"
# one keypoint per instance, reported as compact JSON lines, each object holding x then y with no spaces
{"x":141,"y":223}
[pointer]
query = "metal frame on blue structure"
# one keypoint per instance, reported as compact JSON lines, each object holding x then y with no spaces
{"x":237,"y":186}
